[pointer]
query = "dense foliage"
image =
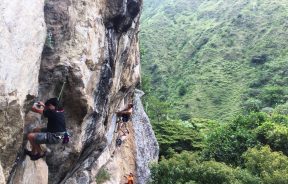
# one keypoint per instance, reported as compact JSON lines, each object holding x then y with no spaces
{"x":189,"y":168}
{"x":271,"y":167}
{"x":250,"y":149}
{"x":228,"y":142}
{"x":215,"y":74}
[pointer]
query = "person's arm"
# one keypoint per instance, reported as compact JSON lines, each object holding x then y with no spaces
{"x":125,"y":111}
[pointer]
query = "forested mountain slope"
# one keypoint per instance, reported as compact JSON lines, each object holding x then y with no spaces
{"x":214,"y":58}
{"x":209,"y":67}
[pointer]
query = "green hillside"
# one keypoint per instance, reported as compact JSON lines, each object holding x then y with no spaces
{"x":213,"y":59}
{"x":209,"y":68}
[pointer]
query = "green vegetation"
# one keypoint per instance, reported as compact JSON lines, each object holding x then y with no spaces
{"x":214,"y":59}
{"x":228,"y":142}
{"x":177,"y":136}
{"x":271,"y":167}
{"x":102,"y":176}
{"x":49,"y":40}
{"x":190,"y":168}
{"x":215,"y":74}
{"x":250,"y":149}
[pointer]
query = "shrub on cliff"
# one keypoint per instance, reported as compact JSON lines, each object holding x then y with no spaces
{"x":102,"y":176}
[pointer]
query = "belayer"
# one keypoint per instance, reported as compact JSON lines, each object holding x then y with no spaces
{"x":130,"y":178}
{"x":53,"y":133}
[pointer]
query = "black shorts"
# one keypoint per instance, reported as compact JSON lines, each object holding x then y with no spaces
{"x":125,"y":118}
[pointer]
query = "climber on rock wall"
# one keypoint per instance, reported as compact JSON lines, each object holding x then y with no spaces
{"x":122,"y":137}
{"x":53,"y":133}
{"x":130,"y":179}
{"x":125,"y":115}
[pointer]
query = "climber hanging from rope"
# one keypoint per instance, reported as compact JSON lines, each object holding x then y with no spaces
{"x":122,"y":136}
{"x":55,"y":130}
{"x":125,"y":115}
{"x":130,"y":179}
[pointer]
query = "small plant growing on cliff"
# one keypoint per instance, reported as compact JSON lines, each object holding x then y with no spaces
{"x":49,"y":40}
{"x":102,"y":176}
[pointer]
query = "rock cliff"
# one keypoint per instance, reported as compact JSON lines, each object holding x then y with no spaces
{"x":92,"y":47}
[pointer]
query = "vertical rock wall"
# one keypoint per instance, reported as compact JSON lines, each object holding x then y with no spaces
{"x":22,"y":33}
{"x":2,"y":178}
{"x":147,"y":148}
{"x":94,"y":48}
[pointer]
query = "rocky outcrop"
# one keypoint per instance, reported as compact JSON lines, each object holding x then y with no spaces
{"x":147,"y":147}
{"x":92,"y":46}
{"x":122,"y":161}
{"x":138,"y":151}
{"x":29,"y":172}
{"x":2,"y":178}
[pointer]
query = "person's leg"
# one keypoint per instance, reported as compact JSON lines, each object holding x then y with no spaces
{"x":31,"y":138}
{"x":39,"y":149}
{"x":36,"y":130}
{"x":119,"y":125}
{"x":40,"y":138}
{"x":35,"y":140}
{"x":124,"y":127}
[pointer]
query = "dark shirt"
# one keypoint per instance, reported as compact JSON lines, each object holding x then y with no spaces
{"x":56,"y":121}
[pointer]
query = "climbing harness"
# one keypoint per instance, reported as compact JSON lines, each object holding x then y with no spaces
{"x":65,"y":138}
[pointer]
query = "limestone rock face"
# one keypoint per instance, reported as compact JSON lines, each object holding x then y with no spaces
{"x":22,"y":33}
{"x":92,"y":47}
{"x":2,"y":178}
{"x":147,"y":147}
{"x":29,"y":172}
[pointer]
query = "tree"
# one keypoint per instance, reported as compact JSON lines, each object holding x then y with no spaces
{"x":176,"y":135}
{"x":190,"y":168}
{"x":275,"y":135}
{"x":227,"y":143}
{"x":271,"y":167}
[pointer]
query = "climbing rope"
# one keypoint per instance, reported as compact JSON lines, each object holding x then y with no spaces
{"x":60,"y":94}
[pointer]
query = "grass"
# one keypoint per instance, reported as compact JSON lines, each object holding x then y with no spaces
{"x":102,"y":176}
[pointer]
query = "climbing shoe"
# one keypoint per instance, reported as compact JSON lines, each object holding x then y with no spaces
{"x":27,"y":152}
{"x":37,"y":156}
{"x":34,"y":157}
